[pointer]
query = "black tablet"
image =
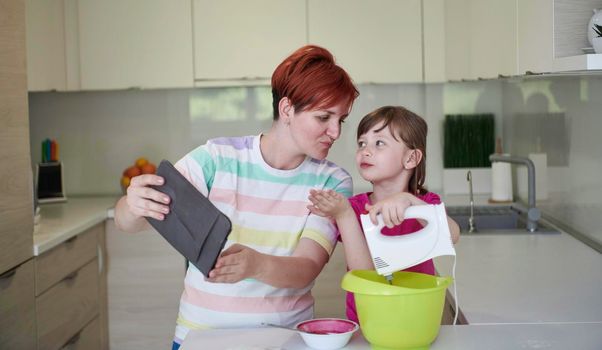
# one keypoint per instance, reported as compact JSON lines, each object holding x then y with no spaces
{"x":194,"y":226}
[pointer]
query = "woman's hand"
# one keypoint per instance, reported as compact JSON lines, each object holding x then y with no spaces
{"x":143,"y":201}
{"x":235,"y":264}
{"x":328,"y":203}
{"x":392,"y":208}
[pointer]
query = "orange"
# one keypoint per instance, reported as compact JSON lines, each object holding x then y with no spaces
{"x":148,"y":168}
{"x":125,"y":181}
{"x":140,"y":162}
{"x":131,"y":172}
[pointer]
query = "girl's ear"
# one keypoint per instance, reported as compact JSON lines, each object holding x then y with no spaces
{"x":413,"y":158}
{"x":285,"y":110}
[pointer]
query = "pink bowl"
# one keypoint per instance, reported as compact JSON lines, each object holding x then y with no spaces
{"x":327,"y":333}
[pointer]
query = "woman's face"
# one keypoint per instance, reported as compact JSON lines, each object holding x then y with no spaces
{"x":379,"y":155}
{"x":314,"y":131}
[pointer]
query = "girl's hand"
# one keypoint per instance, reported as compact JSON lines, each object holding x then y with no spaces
{"x":327,"y":203}
{"x":235,"y":264}
{"x":144,"y":201}
{"x":392,"y":208}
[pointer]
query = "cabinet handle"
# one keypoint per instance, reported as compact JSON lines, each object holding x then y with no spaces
{"x":70,"y":276}
{"x":72,"y":340}
{"x":8,"y":274}
{"x":101,"y":259}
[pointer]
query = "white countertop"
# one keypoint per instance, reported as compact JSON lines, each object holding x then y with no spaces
{"x":582,"y":336}
{"x":516,"y":290}
{"x":61,"y":221}
{"x":526,"y":278}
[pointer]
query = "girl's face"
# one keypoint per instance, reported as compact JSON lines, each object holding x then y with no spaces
{"x":314,"y":131}
{"x":379,"y":156}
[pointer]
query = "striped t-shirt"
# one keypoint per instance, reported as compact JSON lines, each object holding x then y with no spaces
{"x":268,"y":210}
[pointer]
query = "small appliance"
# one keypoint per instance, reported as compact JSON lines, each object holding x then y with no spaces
{"x":394,"y":253}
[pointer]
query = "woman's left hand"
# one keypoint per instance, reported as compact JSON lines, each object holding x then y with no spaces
{"x":235,"y":264}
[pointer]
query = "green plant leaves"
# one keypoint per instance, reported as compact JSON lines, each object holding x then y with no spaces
{"x":469,"y":139}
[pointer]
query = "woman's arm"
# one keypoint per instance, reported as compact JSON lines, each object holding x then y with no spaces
{"x":297,"y":271}
{"x":141,"y":201}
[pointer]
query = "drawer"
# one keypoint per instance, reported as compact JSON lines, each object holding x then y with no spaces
{"x":86,"y":339}
{"x":17,"y":308}
{"x":65,"y":307}
{"x":55,"y":264}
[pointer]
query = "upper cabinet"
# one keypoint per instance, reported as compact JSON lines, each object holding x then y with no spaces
{"x":135,"y":44}
{"x":480,"y":39}
{"x":375,"y":41}
{"x":239,"y":40}
{"x":45,"y":45}
{"x":489,"y":38}
{"x":112,"y":44}
{"x":551,"y":34}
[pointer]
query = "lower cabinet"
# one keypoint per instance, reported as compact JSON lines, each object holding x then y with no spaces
{"x":145,"y":279}
{"x":70,"y":303}
{"x":17,"y":308}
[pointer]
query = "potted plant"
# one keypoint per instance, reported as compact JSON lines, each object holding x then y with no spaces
{"x":597,"y":40}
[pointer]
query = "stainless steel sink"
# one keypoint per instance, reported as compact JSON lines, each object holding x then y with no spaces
{"x":495,"y":219}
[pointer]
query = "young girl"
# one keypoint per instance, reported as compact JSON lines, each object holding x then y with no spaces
{"x":391,"y":155}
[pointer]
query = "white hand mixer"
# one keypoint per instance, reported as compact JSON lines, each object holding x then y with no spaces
{"x":394,"y":253}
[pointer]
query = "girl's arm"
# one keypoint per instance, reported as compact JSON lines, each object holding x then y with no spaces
{"x":333,"y":204}
{"x":454,"y":229}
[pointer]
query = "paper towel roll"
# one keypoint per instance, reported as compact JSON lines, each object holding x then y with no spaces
{"x":501,"y":182}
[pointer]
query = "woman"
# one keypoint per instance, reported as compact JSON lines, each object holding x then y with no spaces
{"x":276,"y":247}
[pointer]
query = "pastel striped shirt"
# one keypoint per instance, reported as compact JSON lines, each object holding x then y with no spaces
{"x":268,"y":210}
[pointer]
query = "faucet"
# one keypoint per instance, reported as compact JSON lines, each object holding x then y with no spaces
{"x":533,"y":214}
{"x":471,"y":226}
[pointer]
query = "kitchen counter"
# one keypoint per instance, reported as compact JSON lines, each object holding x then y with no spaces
{"x":526,"y":278}
{"x":61,"y":221}
{"x":583,"y":336}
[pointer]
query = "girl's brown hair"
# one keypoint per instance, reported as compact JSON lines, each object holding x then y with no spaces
{"x":311,"y":79}
{"x":412,"y":130}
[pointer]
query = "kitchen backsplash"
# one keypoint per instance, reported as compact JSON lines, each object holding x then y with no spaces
{"x":102,"y":133}
{"x":560,"y":116}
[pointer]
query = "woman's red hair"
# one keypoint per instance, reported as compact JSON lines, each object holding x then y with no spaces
{"x":311,"y":79}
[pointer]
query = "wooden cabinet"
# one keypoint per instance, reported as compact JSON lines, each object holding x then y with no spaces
{"x":135,"y":44}
{"x":17,"y":305}
{"x":17,"y":308}
{"x":71,"y":293}
{"x":245,"y":40}
{"x":375,"y":41}
{"x":481,"y":38}
{"x":16,"y":184}
{"x":329,"y":297}
{"x":142,"y":263}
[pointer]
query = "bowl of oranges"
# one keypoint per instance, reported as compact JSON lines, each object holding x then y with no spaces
{"x":141,"y":166}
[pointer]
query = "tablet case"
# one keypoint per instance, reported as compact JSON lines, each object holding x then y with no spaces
{"x":194,"y":226}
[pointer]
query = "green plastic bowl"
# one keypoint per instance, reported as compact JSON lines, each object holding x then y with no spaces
{"x":404,"y":315}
